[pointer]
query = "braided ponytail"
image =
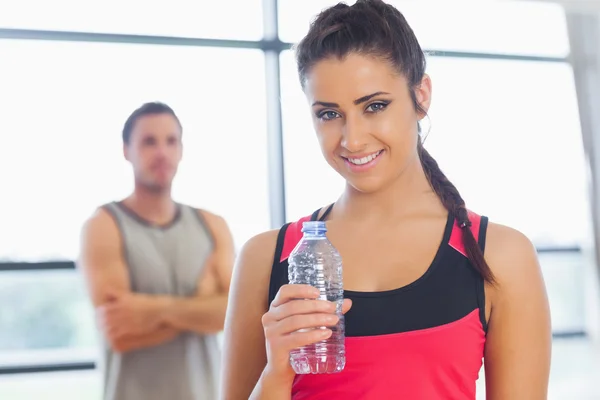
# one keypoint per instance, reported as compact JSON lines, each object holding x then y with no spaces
{"x":455,"y":204}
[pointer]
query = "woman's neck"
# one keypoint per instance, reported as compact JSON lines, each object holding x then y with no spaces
{"x":409,"y":194}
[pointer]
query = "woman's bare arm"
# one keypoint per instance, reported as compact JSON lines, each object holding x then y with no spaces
{"x":244,"y":355}
{"x":518,"y":346}
{"x":260,"y":336}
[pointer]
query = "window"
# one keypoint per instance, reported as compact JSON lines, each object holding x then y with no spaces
{"x":231,"y":19}
{"x":507,"y":134}
{"x":64,"y":107}
{"x":45,"y":319}
{"x":459,"y":26}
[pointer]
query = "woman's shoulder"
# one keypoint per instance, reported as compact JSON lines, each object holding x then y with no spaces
{"x":511,"y":256}
{"x":268,"y":243}
{"x":260,"y":247}
{"x":264,"y":250}
{"x":504,"y":243}
{"x":501,"y":241}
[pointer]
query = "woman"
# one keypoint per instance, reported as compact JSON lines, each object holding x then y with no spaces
{"x":423,"y":304}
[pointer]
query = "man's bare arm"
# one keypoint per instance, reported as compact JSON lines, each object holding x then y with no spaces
{"x":132,"y":342}
{"x":103,"y":266}
{"x":205,"y":313}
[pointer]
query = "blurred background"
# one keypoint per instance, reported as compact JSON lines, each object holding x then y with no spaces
{"x":514,"y":124}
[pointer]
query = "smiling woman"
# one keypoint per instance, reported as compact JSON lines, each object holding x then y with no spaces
{"x":431,"y":288}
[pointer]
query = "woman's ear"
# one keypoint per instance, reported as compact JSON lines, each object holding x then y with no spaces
{"x":423,"y":94}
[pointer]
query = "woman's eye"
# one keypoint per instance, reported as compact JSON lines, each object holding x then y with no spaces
{"x":376,"y":107}
{"x":328,"y":115}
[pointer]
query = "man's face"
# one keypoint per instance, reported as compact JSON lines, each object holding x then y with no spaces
{"x":154,"y":150}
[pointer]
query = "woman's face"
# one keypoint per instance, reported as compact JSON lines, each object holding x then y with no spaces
{"x":365,"y":119}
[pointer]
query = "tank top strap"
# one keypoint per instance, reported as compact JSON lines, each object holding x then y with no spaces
{"x":287,"y":238}
{"x":478,"y":228}
{"x":113,"y":209}
{"x":119,"y":216}
{"x":315,"y":216}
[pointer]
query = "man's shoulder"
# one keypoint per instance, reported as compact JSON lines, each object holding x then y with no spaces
{"x":100,"y":230}
{"x":101,"y":218}
{"x":212,"y":219}
{"x":215,"y":223}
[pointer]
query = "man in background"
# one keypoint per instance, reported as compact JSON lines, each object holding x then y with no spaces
{"x":158,"y":274}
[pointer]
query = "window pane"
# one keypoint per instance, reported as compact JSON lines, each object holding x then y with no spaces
{"x":507,"y":134}
{"x":231,"y":19}
{"x":564,"y":274}
{"x":64,"y":105}
{"x":77,"y":385}
{"x":459,"y":26}
{"x":46,"y":318}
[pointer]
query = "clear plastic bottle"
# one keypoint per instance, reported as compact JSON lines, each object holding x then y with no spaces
{"x":314,"y":261}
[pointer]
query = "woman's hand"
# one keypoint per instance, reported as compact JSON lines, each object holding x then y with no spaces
{"x":287,"y":324}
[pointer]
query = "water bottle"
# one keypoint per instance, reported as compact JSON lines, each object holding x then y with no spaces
{"x":314,"y":261}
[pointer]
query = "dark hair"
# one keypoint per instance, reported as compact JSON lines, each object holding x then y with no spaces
{"x":374,"y":28}
{"x":146,"y":109}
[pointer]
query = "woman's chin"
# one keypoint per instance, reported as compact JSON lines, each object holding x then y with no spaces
{"x":366,"y":185}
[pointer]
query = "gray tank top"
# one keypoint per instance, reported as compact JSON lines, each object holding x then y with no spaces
{"x":164,"y":260}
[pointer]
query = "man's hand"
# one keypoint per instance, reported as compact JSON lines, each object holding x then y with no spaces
{"x":129,"y":314}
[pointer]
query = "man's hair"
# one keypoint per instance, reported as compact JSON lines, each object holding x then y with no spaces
{"x":152,"y":108}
